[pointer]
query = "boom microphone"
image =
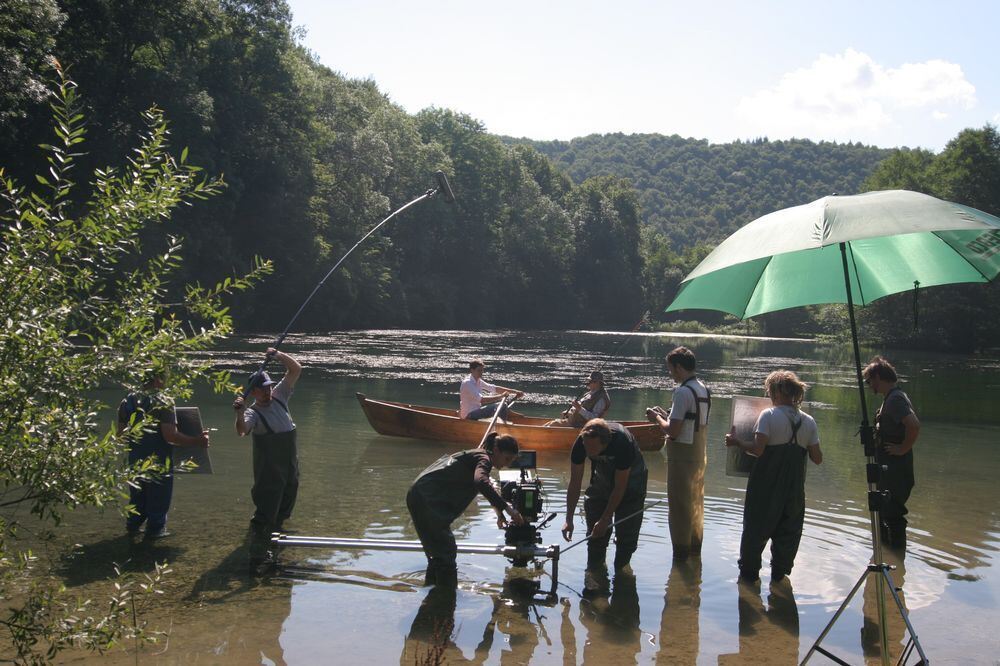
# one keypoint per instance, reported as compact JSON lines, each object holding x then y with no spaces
{"x":444,"y":188}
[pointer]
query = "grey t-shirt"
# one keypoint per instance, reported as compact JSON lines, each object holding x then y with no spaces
{"x":276,"y":416}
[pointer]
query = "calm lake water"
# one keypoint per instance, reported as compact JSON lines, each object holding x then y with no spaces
{"x":352,"y":607}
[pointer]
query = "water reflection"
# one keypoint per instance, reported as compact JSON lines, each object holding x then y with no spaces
{"x":511,"y":635}
{"x":895,"y":626}
{"x":679,"y":639}
{"x":612,"y":622}
{"x":354,"y":481}
{"x":767,"y":633}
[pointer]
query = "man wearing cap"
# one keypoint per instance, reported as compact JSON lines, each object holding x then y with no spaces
{"x":594,"y":404}
{"x":479,"y":399}
{"x":275,"y":456}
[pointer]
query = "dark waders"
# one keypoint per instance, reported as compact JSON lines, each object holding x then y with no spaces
{"x":151,"y":497}
{"x":627,"y":533}
{"x":441,"y":493}
{"x":897,"y":478}
{"x":275,"y":486}
{"x":774,"y":509}
{"x":432,"y":520}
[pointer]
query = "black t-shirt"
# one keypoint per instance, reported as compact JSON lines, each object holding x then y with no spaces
{"x":621,"y":453}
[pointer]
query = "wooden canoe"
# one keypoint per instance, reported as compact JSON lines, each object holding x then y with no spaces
{"x":435,"y":423}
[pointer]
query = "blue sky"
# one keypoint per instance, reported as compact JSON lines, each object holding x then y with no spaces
{"x":882,"y":73}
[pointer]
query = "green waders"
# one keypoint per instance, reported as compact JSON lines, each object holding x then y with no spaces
{"x":686,"y":493}
{"x":440,"y":494}
{"x":275,"y":487}
{"x":775,"y":508}
{"x":627,"y":533}
{"x":432,"y":520}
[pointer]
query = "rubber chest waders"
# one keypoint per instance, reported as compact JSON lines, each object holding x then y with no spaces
{"x":775,"y":506}
{"x":275,"y":481}
{"x":150,"y":497}
{"x":898,"y":477}
{"x":686,"y":480}
{"x":440,"y":494}
{"x":602,"y":482}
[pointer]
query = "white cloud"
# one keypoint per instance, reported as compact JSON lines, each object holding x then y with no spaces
{"x":850,"y":96}
{"x":939,"y":115}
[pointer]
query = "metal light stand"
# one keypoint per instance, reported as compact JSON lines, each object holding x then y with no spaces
{"x":878,"y":568}
{"x":531,"y":552}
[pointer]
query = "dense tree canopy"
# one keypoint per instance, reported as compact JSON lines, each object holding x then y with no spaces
{"x":695,"y":192}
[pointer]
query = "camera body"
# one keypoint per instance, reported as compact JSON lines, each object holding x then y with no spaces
{"x":521,"y":487}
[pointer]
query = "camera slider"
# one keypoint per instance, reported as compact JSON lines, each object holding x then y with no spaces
{"x":515,"y":553}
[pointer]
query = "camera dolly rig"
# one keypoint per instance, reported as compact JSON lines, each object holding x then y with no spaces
{"x":519,"y":485}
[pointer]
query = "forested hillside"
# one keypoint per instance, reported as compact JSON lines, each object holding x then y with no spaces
{"x":585,"y":233}
{"x":696,"y":192}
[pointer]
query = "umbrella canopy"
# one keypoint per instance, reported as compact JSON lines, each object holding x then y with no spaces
{"x":894,"y":241}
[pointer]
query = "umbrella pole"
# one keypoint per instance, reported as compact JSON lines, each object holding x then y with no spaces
{"x":877,"y":568}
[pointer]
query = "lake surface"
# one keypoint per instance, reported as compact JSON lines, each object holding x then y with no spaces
{"x":349,"y":607}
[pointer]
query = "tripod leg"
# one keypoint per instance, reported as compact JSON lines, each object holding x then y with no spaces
{"x":815,"y":646}
{"x":906,"y":619}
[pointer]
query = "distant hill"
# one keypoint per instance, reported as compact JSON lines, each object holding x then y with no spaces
{"x":695,"y":191}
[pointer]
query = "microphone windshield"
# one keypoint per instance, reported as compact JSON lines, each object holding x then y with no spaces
{"x":444,"y":188}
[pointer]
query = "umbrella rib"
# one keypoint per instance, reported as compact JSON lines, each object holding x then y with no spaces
{"x":756,"y":286}
{"x":854,"y":264}
{"x":963,"y":257}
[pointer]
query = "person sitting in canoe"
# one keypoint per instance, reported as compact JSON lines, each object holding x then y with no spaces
{"x":594,"y":404}
{"x":443,"y":491}
{"x":480,"y":399}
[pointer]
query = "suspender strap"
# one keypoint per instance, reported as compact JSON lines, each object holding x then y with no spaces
{"x":267,"y":426}
{"x":707,"y":401}
{"x":795,"y":430}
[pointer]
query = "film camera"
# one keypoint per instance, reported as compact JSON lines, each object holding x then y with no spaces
{"x":520,"y":486}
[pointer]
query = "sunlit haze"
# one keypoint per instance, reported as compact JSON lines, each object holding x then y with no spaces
{"x":881,"y":73}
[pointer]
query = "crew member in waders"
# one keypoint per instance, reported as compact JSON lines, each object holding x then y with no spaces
{"x":775,"y":504}
{"x":443,"y":491}
{"x":151,"y":496}
{"x":896,"y":430}
{"x":617,"y":492}
{"x":275,"y":456}
{"x":686,"y":428}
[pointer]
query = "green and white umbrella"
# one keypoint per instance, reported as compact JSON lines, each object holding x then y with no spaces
{"x":893,"y":240}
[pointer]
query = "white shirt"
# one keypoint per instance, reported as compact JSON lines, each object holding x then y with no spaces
{"x":684,"y":403}
{"x":471,"y":394}
{"x":776,"y":423}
